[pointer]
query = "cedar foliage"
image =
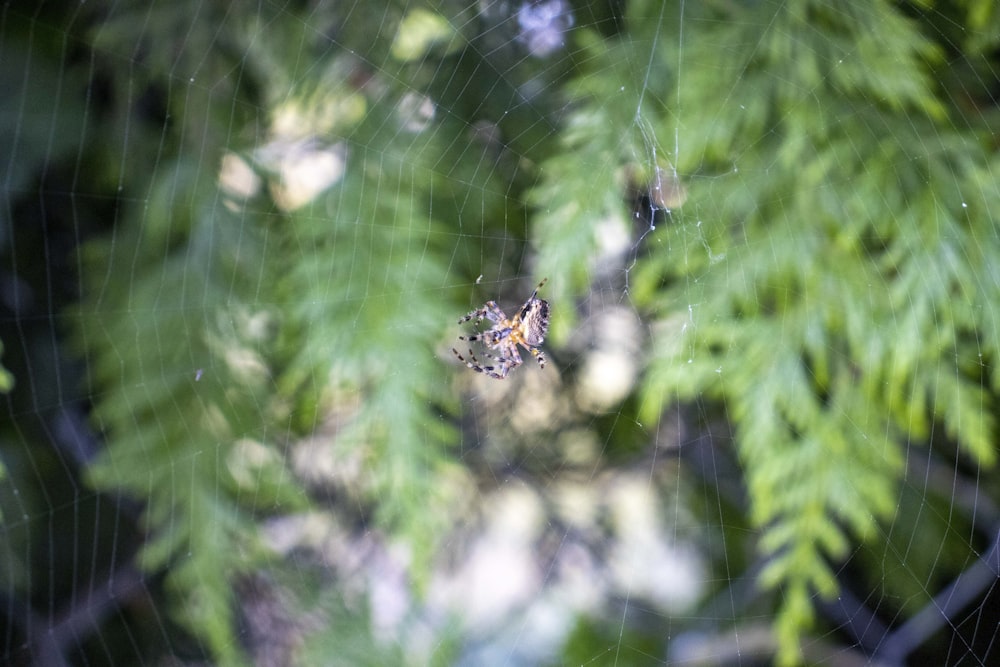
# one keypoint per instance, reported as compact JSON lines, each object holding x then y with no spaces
{"x":838,"y":296}
{"x":842,"y":290}
{"x":831,"y":280}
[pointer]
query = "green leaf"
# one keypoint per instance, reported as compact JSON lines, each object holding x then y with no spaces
{"x":967,"y":414}
{"x":368,"y":310}
{"x":825,"y":294}
{"x":177,"y":371}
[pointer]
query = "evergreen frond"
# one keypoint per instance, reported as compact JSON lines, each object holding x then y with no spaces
{"x":579,"y":195}
{"x":178,"y":378}
{"x":833,"y":285}
{"x":368,"y":305}
{"x":829,"y":277}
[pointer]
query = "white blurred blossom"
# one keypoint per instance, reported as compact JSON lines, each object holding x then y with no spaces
{"x":543,"y":25}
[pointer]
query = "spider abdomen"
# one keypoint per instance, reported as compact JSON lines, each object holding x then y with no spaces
{"x":536,"y":322}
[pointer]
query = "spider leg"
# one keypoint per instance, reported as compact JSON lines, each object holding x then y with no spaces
{"x":531,"y":302}
{"x":477,"y":315}
{"x":491,"y":311}
{"x":502,"y":365}
{"x":512,"y":357}
{"x":540,"y":285}
{"x":491,"y":337}
{"x":471,"y":362}
{"x":474,"y":364}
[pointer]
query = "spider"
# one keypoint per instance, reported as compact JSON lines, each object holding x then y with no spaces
{"x":527,"y":328}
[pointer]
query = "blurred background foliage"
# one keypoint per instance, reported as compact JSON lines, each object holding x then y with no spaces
{"x":238,"y":239}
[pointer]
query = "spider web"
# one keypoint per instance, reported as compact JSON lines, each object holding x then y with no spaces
{"x":238,"y":241}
